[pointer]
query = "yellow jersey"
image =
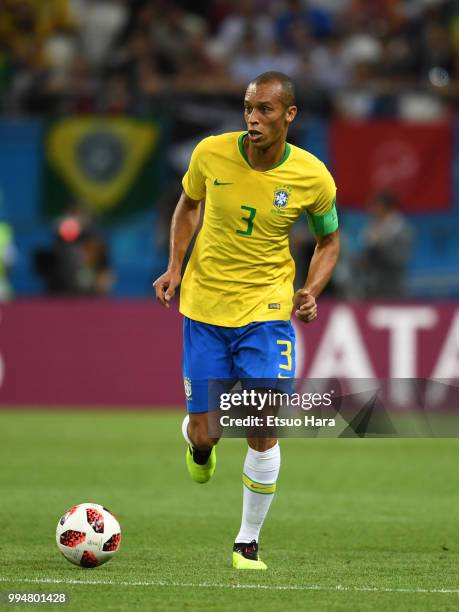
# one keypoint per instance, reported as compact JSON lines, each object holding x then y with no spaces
{"x":241,"y":269}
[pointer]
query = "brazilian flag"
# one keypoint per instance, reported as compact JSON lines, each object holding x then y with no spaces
{"x":110,"y":163}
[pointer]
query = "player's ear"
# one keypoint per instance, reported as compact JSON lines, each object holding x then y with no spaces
{"x":291,"y":113}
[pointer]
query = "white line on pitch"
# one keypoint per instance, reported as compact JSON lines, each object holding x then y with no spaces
{"x":206,"y":585}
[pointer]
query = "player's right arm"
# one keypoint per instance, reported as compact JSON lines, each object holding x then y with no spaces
{"x":185,"y":221}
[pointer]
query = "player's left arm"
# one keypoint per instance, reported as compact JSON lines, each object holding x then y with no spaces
{"x":321,"y":268}
{"x":323,"y":222}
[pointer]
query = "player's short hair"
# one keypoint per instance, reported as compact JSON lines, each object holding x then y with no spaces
{"x":288,"y":88}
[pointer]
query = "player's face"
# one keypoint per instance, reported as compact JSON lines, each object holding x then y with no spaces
{"x":266,"y":115}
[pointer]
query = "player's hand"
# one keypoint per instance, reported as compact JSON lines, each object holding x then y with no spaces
{"x":305,"y":306}
{"x":165,"y":287}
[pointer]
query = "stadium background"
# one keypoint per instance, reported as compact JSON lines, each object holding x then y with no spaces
{"x":97,"y":130}
{"x":101,"y":104}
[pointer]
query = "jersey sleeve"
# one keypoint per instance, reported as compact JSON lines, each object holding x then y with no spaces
{"x":194,"y":181}
{"x":321,"y":214}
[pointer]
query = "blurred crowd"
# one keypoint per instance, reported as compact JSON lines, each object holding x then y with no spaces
{"x":378,"y":265}
{"x":77,"y":261}
{"x":357,"y":57}
{"x":352,"y":58}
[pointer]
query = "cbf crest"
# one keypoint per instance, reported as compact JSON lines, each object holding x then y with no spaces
{"x":281,"y":196}
{"x":188,"y":389}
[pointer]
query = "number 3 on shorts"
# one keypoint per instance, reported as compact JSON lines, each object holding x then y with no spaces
{"x":286,"y":353}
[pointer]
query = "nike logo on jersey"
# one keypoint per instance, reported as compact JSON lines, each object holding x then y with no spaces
{"x":217,"y":183}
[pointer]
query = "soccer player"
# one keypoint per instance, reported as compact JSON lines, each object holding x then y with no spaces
{"x":237,"y":290}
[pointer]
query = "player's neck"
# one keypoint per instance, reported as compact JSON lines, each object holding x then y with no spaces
{"x":265,"y":159}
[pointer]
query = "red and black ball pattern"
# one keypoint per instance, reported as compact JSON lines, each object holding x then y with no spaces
{"x":72,"y":538}
{"x":88,"y":559}
{"x":112,"y":543}
{"x":95,"y":519}
{"x":67,"y":514}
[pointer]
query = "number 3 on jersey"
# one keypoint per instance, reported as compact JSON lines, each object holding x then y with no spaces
{"x":249,"y":220}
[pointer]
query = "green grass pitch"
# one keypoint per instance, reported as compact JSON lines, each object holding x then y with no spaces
{"x":355,"y":525}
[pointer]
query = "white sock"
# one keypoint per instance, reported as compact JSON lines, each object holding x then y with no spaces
{"x":260,"y":474}
{"x":186,"y":420}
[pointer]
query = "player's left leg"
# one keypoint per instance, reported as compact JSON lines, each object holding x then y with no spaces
{"x":259,"y":476}
{"x":266,"y":351}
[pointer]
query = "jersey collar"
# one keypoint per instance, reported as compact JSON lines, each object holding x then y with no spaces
{"x":240,"y":142}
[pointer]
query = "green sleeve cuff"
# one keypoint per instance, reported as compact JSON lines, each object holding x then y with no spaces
{"x":321,"y":225}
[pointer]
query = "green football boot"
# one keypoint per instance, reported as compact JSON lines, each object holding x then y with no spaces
{"x":201,"y":473}
{"x":245,"y":557}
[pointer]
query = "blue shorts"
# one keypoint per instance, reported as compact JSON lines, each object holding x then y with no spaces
{"x":260,"y":350}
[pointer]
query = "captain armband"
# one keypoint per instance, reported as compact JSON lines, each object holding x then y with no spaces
{"x":321,"y":225}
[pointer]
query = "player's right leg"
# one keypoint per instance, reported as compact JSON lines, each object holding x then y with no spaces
{"x":206,"y":356}
{"x":201,"y":457}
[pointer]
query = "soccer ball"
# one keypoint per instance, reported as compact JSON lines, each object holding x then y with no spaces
{"x":88,"y":535}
